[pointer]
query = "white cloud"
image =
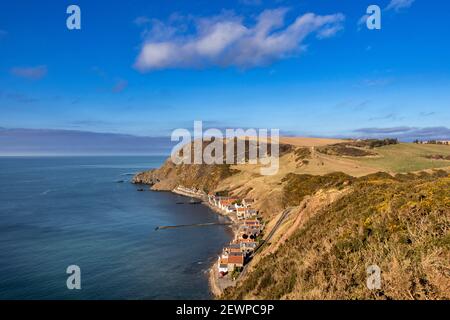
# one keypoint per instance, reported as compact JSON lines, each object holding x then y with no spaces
{"x":399,"y":4}
{"x":225,"y":40}
{"x":329,"y":32}
{"x":362,"y":21}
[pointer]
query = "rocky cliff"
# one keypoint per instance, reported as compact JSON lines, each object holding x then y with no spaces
{"x":202,"y":176}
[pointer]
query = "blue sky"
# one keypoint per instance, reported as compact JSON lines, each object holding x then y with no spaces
{"x":147,"y":67}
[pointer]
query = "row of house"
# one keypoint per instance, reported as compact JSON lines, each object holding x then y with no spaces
{"x":236,"y":254}
{"x":198,"y":193}
{"x":229,"y":205}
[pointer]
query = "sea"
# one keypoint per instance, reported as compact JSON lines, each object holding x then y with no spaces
{"x":57,"y":212}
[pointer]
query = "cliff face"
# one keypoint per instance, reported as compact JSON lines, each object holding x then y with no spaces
{"x":166,"y":178}
{"x":236,"y":180}
{"x":202,"y":176}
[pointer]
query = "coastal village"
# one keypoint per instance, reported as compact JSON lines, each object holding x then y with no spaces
{"x":248,"y":229}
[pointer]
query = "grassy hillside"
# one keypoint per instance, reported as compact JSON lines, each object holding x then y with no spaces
{"x":400,"y":224}
{"x":406,"y":157}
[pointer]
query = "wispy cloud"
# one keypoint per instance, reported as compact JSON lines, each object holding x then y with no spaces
{"x":117,"y":84}
{"x":120,"y":86}
{"x":377,"y":82}
{"x":398,"y":5}
{"x":3,"y":33}
{"x":353,"y":105}
{"x":142,"y":20}
{"x":251,"y":2}
{"x":33,"y":73}
{"x":389,"y":116}
{"x":362,"y":21}
{"x":225,"y":40}
{"x":427,"y":114}
{"x":75,"y":100}
{"x":20,"y":97}
{"x":405,"y":133}
{"x":99,"y":72}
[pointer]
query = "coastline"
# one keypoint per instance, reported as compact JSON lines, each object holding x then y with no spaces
{"x":213,"y":277}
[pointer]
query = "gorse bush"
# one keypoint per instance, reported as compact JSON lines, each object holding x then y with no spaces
{"x":356,"y":148}
{"x":297,"y":186}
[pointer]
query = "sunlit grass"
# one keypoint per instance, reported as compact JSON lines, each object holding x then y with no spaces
{"x":406,"y":157}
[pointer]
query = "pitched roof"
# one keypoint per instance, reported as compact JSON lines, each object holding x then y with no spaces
{"x":226,"y":202}
{"x":236,"y":259}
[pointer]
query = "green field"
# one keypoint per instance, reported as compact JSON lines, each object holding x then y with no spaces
{"x":406,"y":157}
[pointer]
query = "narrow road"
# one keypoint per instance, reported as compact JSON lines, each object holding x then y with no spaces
{"x":267,"y":239}
{"x":278,"y":224}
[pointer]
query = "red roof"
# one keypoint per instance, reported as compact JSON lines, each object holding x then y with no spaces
{"x":226,"y":202}
{"x":238,"y":259}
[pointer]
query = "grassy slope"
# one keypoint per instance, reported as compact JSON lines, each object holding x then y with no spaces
{"x":402,"y":226}
{"x":407,"y":157}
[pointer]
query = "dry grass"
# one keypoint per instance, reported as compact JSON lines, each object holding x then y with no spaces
{"x":309,"y":142}
{"x":407,"y":157}
{"x":402,"y":226}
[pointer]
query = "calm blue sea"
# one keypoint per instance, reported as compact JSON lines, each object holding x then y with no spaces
{"x":60,"y":211}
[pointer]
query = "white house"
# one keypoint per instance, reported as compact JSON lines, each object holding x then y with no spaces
{"x":222,"y":265}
